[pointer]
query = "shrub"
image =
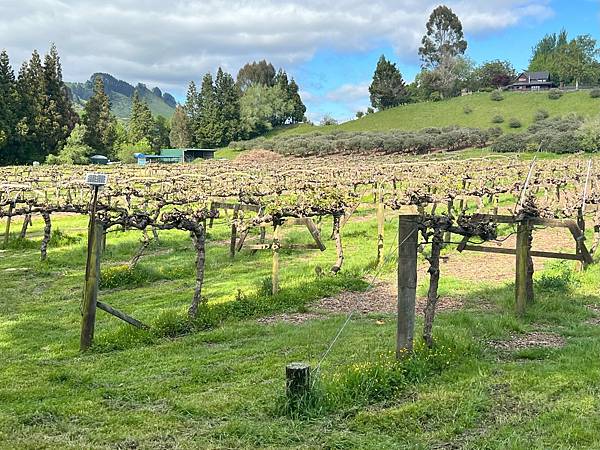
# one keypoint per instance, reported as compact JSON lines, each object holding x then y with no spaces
{"x":497,"y":119}
{"x":541,"y":114}
{"x":122,"y":275}
{"x":467,"y":109}
{"x":554,"y":94}
{"x":514,"y":123}
{"x":595,"y":93}
{"x":516,"y":142}
{"x":588,"y":135}
{"x":435,"y":96}
{"x":496,"y":96}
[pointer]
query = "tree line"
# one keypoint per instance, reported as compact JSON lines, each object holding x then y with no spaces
{"x":224,"y":110}
{"x":446,"y":71}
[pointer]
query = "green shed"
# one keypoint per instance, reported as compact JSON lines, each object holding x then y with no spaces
{"x":187,"y":154}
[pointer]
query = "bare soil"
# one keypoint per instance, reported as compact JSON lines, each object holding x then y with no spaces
{"x":535,"y":339}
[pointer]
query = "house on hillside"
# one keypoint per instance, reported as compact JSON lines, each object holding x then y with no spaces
{"x":531,"y":81}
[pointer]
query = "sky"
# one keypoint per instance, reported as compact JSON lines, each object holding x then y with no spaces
{"x":330,"y":48}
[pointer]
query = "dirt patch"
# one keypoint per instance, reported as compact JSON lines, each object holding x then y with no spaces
{"x":260,"y":156}
{"x":535,"y":339}
{"x":382,"y":298}
{"x":477,"y":267}
{"x":296,"y":318}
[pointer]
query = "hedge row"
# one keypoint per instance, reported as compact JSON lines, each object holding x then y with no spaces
{"x":403,"y":142}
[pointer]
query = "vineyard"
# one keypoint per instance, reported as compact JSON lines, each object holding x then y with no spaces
{"x":435,"y":206}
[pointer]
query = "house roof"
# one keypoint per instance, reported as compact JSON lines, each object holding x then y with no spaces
{"x":543,"y":75}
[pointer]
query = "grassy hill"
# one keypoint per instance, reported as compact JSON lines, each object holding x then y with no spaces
{"x":121,"y":94}
{"x":521,"y":106}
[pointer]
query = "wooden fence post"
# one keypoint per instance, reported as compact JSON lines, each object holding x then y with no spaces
{"x":581,"y":225}
{"x":380,"y":223}
{"x":524,"y":268}
{"x":275,"y":272}
{"x":297,"y":382}
{"x":92,"y":276}
{"x":236,"y":210}
{"x":8,"y":220}
{"x":448,"y":236}
{"x":407,"y":283}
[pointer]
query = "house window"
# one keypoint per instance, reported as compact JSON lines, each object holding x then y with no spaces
{"x":535,"y":88}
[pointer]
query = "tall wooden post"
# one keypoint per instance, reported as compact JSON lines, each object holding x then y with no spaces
{"x":524,"y":268}
{"x":448,"y":236}
{"x":581,"y":225}
{"x":92,"y":276}
{"x":380,"y":224}
{"x":236,"y":210}
{"x":8,"y":220}
{"x":275,"y":272}
{"x":407,"y":283}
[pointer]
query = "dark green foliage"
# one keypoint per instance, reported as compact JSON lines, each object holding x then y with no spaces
{"x":444,"y":37}
{"x":141,"y":124}
{"x":493,"y":75}
{"x":595,"y":93}
{"x":554,"y":94}
{"x":403,"y":142}
{"x":541,"y":114}
{"x":160,"y":134}
{"x":510,"y":143}
{"x":228,"y":106}
{"x":8,"y":111}
{"x":514,"y":123}
{"x":569,"y":61}
{"x":560,"y":279}
{"x":498,"y":119}
{"x":209,"y":132}
{"x":387,"y":88}
{"x":496,"y":96}
{"x":256,"y":73}
{"x":100,"y":124}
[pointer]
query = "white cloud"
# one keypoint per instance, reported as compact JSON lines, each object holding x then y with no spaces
{"x":349,"y":92}
{"x":167,"y":43}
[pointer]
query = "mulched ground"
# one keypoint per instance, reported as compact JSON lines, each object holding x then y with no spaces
{"x":535,"y":339}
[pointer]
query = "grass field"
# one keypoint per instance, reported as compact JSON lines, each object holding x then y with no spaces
{"x":521,"y":106}
{"x":222,"y":386}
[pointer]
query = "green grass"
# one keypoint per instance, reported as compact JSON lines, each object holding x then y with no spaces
{"x":222,"y":387}
{"x":521,"y":106}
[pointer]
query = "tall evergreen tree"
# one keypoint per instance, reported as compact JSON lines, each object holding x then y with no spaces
{"x":58,"y":112}
{"x":32,"y":123}
{"x":387,"y":89}
{"x":444,"y":38}
{"x":209,"y":132}
{"x":100,"y":125}
{"x":8,"y":110}
{"x":227,"y":95}
{"x":141,"y":124}
{"x":180,"y":136}
{"x":193,"y":106}
{"x":299,"y":107}
{"x":162,"y":129}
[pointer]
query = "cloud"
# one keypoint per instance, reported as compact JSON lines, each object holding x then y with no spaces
{"x":169,"y":43}
{"x":349,"y":92}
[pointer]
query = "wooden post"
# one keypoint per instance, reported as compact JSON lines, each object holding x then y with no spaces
{"x":92,"y":276}
{"x":8,"y":220}
{"x":581,"y":225}
{"x":380,"y":224}
{"x":407,"y":283}
{"x":297,"y":382}
{"x":275,"y":272}
{"x":524,"y":268}
{"x":236,"y":209}
{"x":448,"y":236}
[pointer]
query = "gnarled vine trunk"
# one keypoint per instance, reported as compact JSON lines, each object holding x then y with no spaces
{"x":47,"y":235}
{"x":434,"y":278}
{"x":338,"y":244}
{"x":199,"y":238}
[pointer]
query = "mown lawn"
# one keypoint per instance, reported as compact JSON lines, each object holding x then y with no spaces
{"x":222,"y":386}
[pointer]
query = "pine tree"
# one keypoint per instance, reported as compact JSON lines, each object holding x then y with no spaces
{"x":162,"y":129}
{"x":387,"y":89}
{"x":32,"y":122}
{"x":100,"y":124}
{"x":59,"y":115}
{"x":8,"y":110}
{"x":227,"y":95}
{"x":192,"y":108}
{"x":141,"y":124}
{"x":299,"y":107}
{"x":209,"y":133}
{"x":180,"y":136}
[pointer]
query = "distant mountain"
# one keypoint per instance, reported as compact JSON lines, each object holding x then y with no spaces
{"x":120,"y":94}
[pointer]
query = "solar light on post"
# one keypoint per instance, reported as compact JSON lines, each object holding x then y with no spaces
{"x":92,"y":268}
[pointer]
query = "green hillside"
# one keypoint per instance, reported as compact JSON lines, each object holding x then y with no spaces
{"x":121,"y":94}
{"x":521,"y":106}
